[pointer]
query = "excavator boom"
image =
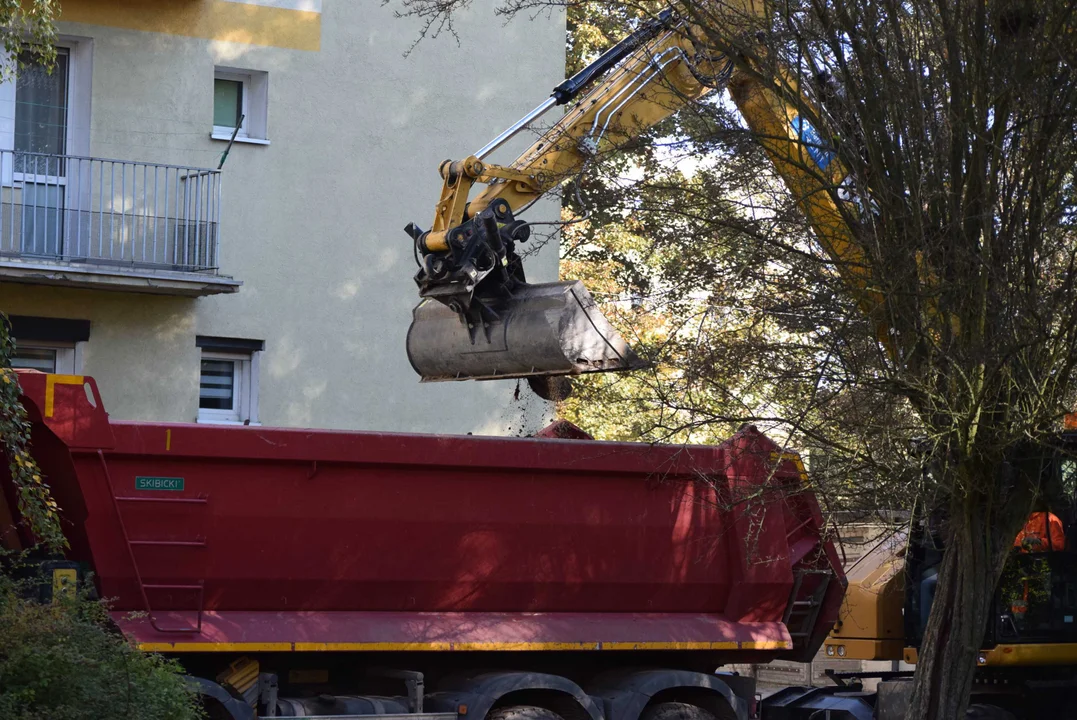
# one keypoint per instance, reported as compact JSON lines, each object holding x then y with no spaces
{"x":479,"y":318}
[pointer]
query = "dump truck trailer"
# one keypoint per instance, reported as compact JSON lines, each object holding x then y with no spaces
{"x":320,"y":573}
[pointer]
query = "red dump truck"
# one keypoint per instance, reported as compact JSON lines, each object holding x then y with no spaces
{"x":302,"y":573}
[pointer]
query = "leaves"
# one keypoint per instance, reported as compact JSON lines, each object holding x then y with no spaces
{"x":28,"y":32}
{"x":63,"y":661}
{"x":37,"y":508}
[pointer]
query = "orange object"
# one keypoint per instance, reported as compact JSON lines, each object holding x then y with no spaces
{"x":1042,"y":533}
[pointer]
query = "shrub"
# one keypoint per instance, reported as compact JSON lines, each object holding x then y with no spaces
{"x":64,"y":660}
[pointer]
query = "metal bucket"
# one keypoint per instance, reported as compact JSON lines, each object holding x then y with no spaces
{"x":542,"y":330}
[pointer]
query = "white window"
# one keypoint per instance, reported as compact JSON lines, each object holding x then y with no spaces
{"x":240,"y":98}
{"x":49,"y":357}
{"x":43,"y":118}
{"x":48,"y":113}
{"x":228,"y":387}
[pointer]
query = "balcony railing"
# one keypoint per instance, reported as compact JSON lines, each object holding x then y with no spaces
{"x":116,"y":212}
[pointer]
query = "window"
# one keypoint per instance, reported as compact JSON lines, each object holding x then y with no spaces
{"x":44,"y":117}
{"x":52,"y":345}
{"x":240,"y":98}
{"x":46,"y":357}
{"x":41,"y":109}
{"x":228,"y":380}
{"x":229,"y":108}
{"x":1069,"y":478}
{"x":47,"y":113}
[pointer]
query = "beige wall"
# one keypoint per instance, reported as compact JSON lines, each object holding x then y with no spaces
{"x":312,"y":224}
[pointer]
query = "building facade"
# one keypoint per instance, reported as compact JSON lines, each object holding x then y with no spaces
{"x":275,"y":288}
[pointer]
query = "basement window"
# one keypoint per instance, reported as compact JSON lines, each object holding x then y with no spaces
{"x":50,"y":345}
{"x":228,"y":380}
{"x":46,"y":357}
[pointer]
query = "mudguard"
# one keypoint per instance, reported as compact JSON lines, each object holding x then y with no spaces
{"x":625,"y":693}
{"x":481,"y":692}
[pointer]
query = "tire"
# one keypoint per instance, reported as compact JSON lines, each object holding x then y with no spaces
{"x":980,"y":711}
{"x":676,"y":711}
{"x":522,"y":712}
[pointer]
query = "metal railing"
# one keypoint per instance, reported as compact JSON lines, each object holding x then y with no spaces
{"x":111,"y":212}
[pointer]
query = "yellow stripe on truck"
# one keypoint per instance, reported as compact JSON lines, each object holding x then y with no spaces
{"x":215,"y":647}
{"x":766,"y":645}
{"x":457,"y":647}
{"x":51,"y":381}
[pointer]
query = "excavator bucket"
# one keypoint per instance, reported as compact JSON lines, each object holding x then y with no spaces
{"x":542,"y":330}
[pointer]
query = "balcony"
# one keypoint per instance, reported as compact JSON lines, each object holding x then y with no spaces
{"x":110,"y":224}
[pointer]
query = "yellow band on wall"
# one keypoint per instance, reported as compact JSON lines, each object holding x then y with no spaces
{"x":241,"y":22}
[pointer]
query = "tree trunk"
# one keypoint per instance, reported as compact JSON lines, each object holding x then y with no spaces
{"x":978,"y":540}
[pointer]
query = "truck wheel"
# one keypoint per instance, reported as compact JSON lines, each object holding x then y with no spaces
{"x":676,"y":711}
{"x":979,"y":711}
{"x":522,"y":712}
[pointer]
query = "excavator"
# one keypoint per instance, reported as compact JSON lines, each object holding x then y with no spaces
{"x":479,"y":319}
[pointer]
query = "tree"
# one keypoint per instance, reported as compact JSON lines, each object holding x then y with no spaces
{"x":28,"y":33}
{"x":957,"y":126}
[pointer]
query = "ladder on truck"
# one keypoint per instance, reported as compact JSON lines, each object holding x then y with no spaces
{"x":196,"y":543}
{"x":804,"y":604}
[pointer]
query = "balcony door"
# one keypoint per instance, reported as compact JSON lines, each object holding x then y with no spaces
{"x":40,"y":144}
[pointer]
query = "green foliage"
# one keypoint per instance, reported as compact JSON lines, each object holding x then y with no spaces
{"x":63,"y":661}
{"x":35,"y":503}
{"x":595,"y":26}
{"x":28,"y":31}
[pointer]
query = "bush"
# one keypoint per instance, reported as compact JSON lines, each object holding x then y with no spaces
{"x":63,"y":660}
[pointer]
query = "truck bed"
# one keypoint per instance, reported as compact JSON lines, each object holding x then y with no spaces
{"x":254,"y":538}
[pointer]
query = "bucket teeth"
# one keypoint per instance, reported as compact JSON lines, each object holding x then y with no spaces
{"x":541,"y":330}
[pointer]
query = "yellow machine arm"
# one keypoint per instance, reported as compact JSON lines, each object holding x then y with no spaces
{"x":480,"y":319}
{"x":656,"y":79}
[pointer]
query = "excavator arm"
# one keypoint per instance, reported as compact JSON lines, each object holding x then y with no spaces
{"x":480,"y":319}
{"x":655,"y":72}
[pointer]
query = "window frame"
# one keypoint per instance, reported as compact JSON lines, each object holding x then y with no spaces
{"x":31,"y":177}
{"x":244,"y":81}
{"x":68,"y":354}
{"x":245,"y":389}
{"x":76,"y":139}
{"x":254,"y":106}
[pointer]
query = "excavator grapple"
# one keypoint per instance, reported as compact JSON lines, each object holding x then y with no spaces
{"x":538,"y":330}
